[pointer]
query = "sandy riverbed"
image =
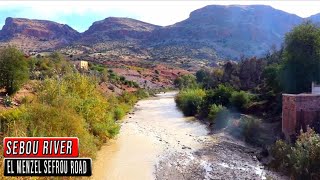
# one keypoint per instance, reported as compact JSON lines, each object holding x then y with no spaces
{"x":157,"y":142}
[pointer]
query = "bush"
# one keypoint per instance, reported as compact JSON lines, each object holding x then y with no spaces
{"x":71,"y":106}
{"x":122,"y":78}
{"x":280,"y":152}
{"x":185,"y":82}
{"x":214,"y":110}
{"x":220,"y":95}
{"x":141,"y":94}
{"x":119,"y":113}
{"x":7,"y":101}
{"x":189,"y":101}
{"x":302,"y":160}
{"x":250,"y":128}
{"x":240,"y":100}
{"x":13,"y":70}
{"x":219,"y":115}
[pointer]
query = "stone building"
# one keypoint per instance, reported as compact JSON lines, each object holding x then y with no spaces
{"x":81,"y":65}
{"x":300,"y":111}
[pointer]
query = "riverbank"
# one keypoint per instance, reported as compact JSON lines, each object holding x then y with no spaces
{"x":224,"y":158}
{"x":157,"y":142}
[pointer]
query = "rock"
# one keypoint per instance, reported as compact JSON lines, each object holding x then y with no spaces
{"x":45,"y":34}
{"x":113,"y":28}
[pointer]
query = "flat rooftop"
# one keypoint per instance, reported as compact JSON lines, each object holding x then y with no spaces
{"x":301,"y":94}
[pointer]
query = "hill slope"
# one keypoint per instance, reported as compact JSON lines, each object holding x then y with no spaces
{"x":230,"y":30}
{"x":314,"y":18}
{"x":117,"y":29}
{"x":210,"y":33}
{"x":35,"y":35}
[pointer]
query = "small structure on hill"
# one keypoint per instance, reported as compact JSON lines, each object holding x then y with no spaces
{"x":81,"y":65}
{"x":300,"y":111}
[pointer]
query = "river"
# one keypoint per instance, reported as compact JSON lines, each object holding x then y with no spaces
{"x":157,"y":142}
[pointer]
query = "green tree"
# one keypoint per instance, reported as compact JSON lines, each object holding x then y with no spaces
{"x":209,"y":78}
{"x":201,"y":75}
{"x":13,"y":69}
{"x":190,"y":100}
{"x":271,"y":77}
{"x":240,"y":100}
{"x":186,"y":81}
{"x":301,"y":58}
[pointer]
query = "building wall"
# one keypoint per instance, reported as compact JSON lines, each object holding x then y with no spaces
{"x":81,"y":64}
{"x":315,"y":88}
{"x":288,"y":115}
{"x":298,"y":112}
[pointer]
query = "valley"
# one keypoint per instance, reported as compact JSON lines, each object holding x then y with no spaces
{"x":201,"y":98}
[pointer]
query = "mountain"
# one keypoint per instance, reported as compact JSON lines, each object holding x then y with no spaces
{"x":314,"y":18}
{"x":209,"y":33}
{"x":229,"y":30}
{"x":117,"y":29}
{"x":35,"y":35}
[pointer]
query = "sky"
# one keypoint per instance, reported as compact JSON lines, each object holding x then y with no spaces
{"x":81,"y":14}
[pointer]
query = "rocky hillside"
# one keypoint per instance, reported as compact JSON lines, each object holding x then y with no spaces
{"x":210,"y":33}
{"x":36,"y":35}
{"x":314,"y":18}
{"x":117,"y":29}
{"x":230,"y":30}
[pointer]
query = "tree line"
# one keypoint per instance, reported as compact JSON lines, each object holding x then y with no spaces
{"x":255,"y":86}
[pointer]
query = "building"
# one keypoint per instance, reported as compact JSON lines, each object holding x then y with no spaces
{"x":81,"y":65}
{"x":300,"y":111}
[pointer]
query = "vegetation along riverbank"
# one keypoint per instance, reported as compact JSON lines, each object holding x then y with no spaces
{"x":245,"y":100}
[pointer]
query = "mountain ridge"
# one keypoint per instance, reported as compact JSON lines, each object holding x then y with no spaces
{"x":30,"y":33}
{"x":209,"y":33}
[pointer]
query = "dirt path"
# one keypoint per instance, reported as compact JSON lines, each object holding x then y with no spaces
{"x":157,"y":142}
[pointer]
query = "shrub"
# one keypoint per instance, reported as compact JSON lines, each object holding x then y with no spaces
{"x":128,"y":98}
{"x":122,"y":78}
{"x":13,"y":69}
{"x":222,"y":95}
{"x":250,"y":128}
{"x":71,"y":106}
{"x":214,"y":110}
{"x":7,"y":101}
{"x":119,"y":113}
{"x":280,"y":153}
{"x":135,"y":84}
{"x":141,"y":93}
{"x":240,"y":100}
{"x":185,"y":82}
{"x":13,"y":122}
{"x":302,"y":160}
{"x":189,"y":101}
{"x":219,"y":115}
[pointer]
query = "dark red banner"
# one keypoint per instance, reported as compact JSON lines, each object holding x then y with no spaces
{"x":41,"y":147}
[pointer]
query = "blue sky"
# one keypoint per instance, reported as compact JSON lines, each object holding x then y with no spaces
{"x":81,"y":14}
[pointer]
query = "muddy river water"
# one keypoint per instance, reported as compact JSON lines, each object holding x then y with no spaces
{"x":157,"y":142}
